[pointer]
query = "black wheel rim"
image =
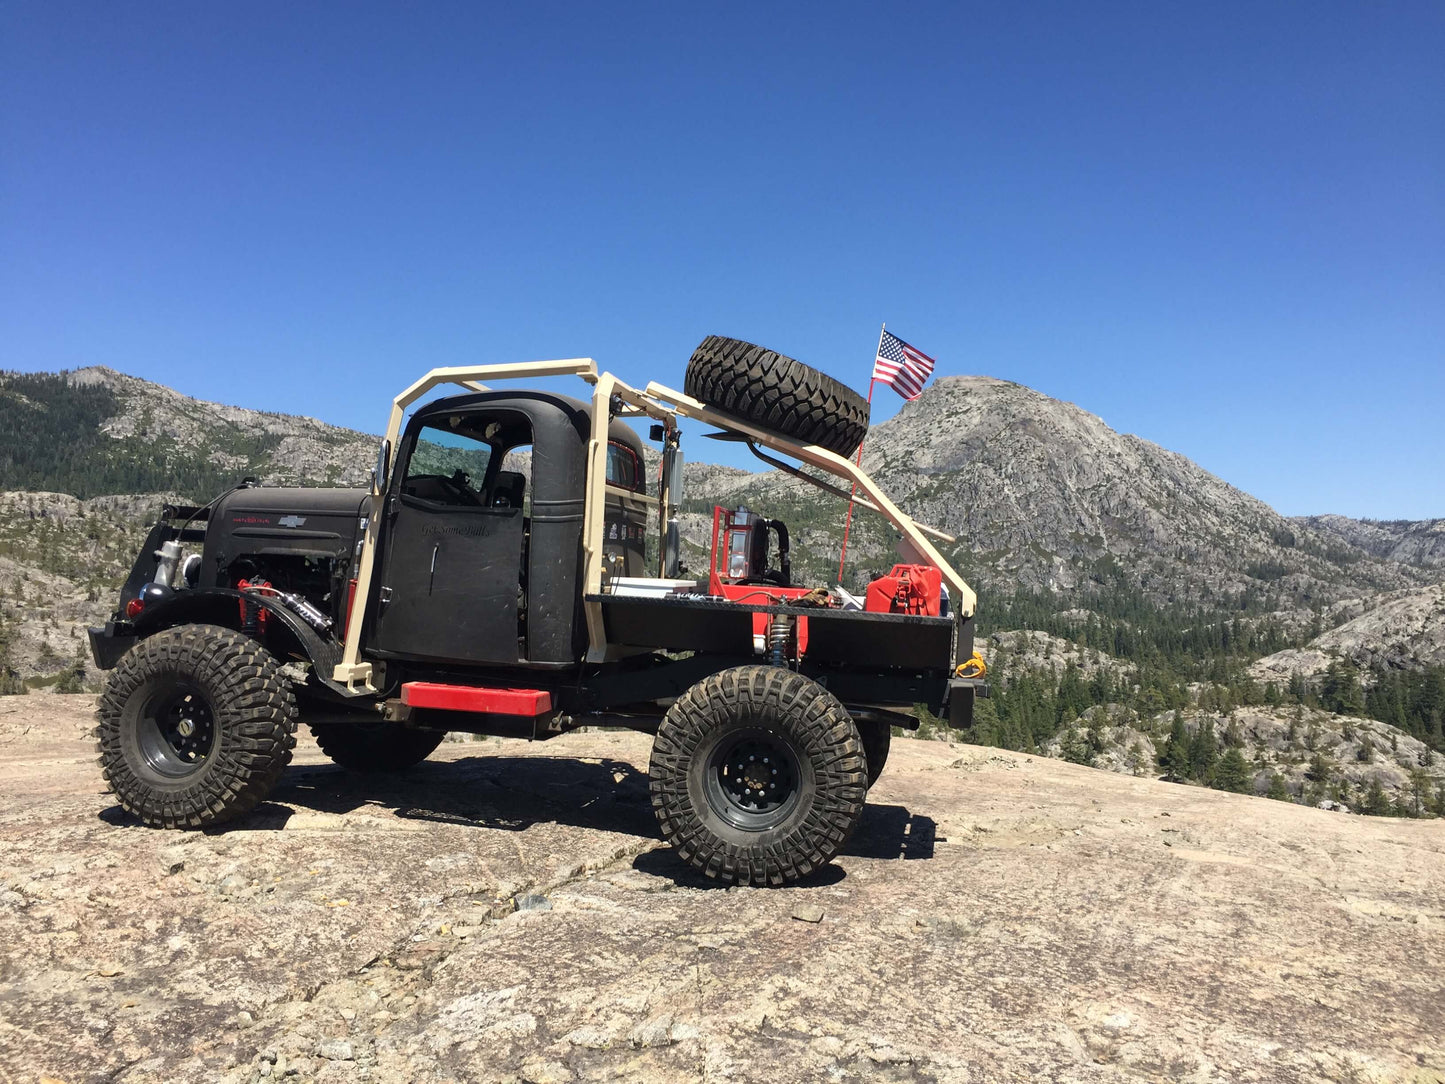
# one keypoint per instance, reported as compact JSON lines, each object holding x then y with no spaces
{"x":753,"y":779}
{"x":177,"y":731}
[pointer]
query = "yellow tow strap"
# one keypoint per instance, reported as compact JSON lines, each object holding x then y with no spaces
{"x":973,"y":668}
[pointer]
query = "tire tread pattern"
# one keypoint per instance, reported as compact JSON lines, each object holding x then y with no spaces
{"x":255,"y":718}
{"x":777,"y":393}
{"x":826,"y":736}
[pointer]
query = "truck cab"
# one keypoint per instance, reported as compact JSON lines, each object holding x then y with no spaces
{"x":484,"y":513}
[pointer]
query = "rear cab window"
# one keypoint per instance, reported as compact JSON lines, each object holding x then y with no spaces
{"x":624,"y":468}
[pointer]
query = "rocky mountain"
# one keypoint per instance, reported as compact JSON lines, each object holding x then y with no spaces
{"x":1402,"y":630}
{"x":294,"y":450}
{"x":1048,"y":496}
{"x":1410,"y":542}
{"x":62,"y":560}
{"x":1032,"y":651}
{"x":1300,"y":753}
{"x":96,"y":432}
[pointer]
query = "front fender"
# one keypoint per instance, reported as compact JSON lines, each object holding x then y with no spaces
{"x":221,"y":606}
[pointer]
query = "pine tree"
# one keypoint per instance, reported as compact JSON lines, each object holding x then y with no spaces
{"x":985,"y":723}
{"x":1375,"y":803}
{"x":1320,"y":770}
{"x":1340,"y":690}
{"x":1233,"y":738}
{"x":1175,"y":758}
{"x":1203,"y":752}
{"x":1419,"y":791}
{"x":1232,"y":772}
{"x":1277,"y":789}
{"x":1072,"y":695}
{"x":1074,"y":749}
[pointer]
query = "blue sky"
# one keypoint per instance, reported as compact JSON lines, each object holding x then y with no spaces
{"x":1218,"y":226}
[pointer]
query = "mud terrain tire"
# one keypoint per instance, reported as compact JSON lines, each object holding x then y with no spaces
{"x":777,"y":393}
{"x":374,"y":748}
{"x":757,"y":776}
{"x":877,"y":738}
{"x":195,"y":726}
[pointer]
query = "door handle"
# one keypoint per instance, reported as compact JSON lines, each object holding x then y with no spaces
{"x":431,"y":579}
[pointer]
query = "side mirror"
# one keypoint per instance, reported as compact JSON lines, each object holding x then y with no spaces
{"x":381,"y":473}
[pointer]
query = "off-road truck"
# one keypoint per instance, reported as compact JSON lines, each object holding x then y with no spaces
{"x":495,"y":579}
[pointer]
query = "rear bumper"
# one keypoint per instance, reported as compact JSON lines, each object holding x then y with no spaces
{"x":961,"y":695}
{"x":107,"y":646}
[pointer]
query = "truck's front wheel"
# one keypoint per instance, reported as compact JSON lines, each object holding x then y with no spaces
{"x":195,"y":726}
{"x":758,"y":776}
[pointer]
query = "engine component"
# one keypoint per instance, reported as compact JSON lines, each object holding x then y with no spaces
{"x":308,"y":613}
{"x":253,"y":618}
{"x":191,"y":570}
{"x":170,"y":557}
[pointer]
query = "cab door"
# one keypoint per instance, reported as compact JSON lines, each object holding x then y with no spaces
{"x":452,"y":563}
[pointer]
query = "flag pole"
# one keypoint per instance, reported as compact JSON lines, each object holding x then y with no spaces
{"x":848,"y":522}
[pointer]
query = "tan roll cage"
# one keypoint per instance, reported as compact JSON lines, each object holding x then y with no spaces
{"x":655,"y":401}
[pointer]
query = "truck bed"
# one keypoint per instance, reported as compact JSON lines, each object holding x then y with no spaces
{"x":877,"y":640}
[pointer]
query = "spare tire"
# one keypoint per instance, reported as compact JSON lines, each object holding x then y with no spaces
{"x":777,"y":393}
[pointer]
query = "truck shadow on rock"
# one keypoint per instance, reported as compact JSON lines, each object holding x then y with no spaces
{"x":884,"y":832}
{"x":515,"y":793}
{"x":498,"y":792}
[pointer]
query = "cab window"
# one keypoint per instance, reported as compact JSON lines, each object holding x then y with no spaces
{"x":624,"y":469}
{"x":448,"y":467}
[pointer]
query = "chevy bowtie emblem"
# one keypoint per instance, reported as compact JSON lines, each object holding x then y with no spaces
{"x":291,"y":521}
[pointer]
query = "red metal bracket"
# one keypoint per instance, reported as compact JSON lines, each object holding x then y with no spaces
{"x":431,"y":694}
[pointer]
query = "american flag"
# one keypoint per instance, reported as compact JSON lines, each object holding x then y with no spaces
{"x":902,"y":367}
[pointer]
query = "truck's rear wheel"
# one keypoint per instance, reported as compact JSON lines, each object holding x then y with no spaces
{"x":195,"y":726}
{"x":758,"y":776}
{"x":373,"y":747}
{"x":777,"y":393}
